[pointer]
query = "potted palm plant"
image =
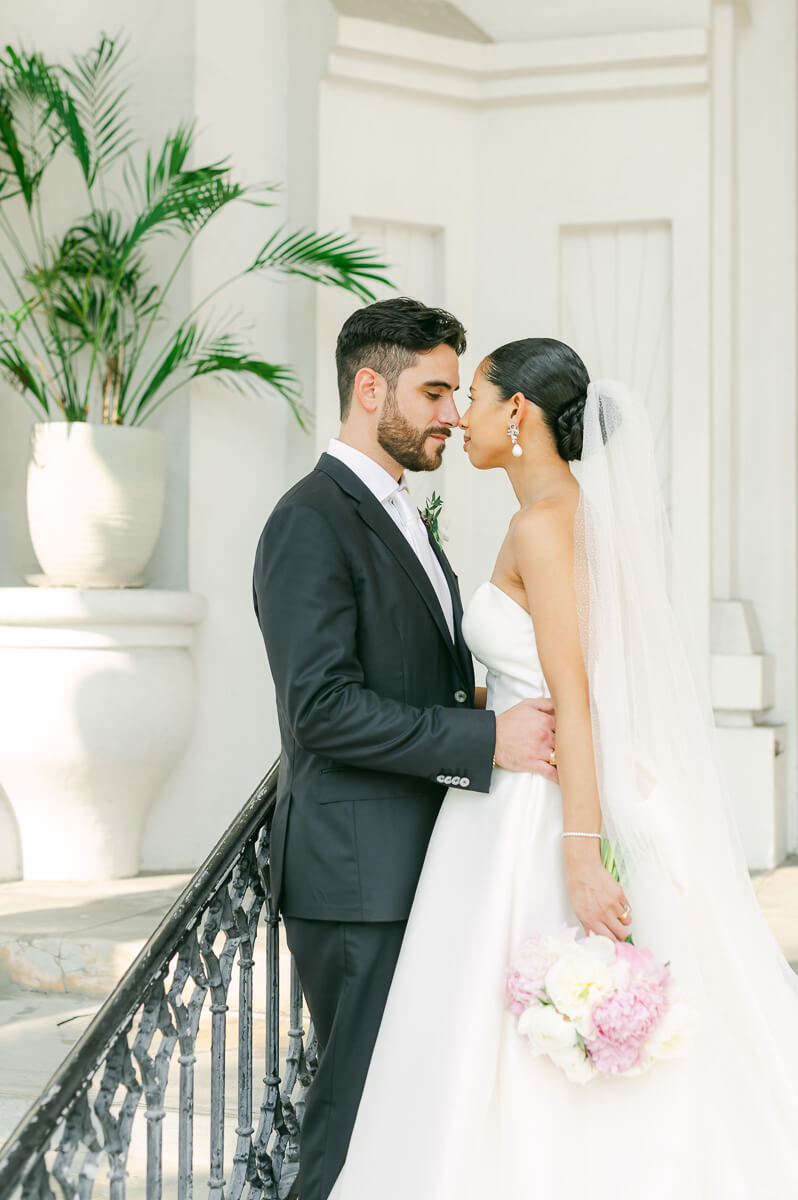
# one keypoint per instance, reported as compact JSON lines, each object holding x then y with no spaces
{"x":87,"y":334}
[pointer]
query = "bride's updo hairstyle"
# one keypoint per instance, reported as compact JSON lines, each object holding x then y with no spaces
{"x":550,"y":375}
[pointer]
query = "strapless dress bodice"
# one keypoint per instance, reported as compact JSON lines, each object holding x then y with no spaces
{"x":500,"y":634}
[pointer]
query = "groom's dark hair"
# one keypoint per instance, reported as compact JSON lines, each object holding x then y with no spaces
{"x":387,"y":336}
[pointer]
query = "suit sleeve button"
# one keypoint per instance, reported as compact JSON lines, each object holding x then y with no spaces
{"x":464,"y":782}
{"x":460,"y":696}
{"x":456,"y":780}
{"x":447,"y":779}
{"x":441,"y":779}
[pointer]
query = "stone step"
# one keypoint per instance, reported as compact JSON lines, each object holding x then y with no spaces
{"x":78,"y":938}
{"x":777,"y":893}
{"x":37,"y":1030}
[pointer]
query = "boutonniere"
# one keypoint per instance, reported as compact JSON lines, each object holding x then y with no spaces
{"x":430,"y":515}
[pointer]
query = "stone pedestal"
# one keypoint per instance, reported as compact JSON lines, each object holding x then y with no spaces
{"x":97,"y":698}
{"x":742,"y":692}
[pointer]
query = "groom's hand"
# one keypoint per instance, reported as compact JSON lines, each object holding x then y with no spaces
{"x":525,"y":738}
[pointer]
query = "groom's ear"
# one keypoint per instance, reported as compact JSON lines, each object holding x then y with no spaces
{"x":369,"y":389}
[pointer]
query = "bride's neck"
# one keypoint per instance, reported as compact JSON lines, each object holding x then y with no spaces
{"x":537,"y":474}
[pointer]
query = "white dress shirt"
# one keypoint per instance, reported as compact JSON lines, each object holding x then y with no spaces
{"x":403,"y":513}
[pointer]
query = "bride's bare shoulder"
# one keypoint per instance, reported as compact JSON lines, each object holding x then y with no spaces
{"x":547,"y":525}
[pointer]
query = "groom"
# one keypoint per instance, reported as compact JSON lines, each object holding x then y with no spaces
{"x":360,"y":612}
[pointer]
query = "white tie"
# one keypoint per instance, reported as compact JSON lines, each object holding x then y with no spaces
{"x":415,"y":531}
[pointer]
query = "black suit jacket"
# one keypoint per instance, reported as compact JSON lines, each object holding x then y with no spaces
{"x":374,"y":701}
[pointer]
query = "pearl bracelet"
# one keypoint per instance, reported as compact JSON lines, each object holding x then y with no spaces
{"x":571,"y":833}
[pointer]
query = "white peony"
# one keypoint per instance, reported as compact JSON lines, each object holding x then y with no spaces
{"x":673,"y":1034}
{"x":563,"y":942}
{"x":546,"y":1029}
{"x":577,"y":982}
{"x":576,"y":1065}
{"x":600,"y":947}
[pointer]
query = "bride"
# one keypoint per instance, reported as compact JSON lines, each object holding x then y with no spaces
{"x":455,"y":1106}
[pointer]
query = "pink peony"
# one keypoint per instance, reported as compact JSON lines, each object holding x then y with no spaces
{"x":610,"y":1059}
{"x":519,"y":994}
{"x":623,"y":1020}
{"x":526,"y":978}
{"x":641,"y":962}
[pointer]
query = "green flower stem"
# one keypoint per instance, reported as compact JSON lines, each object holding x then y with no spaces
{"x":608,"y":861}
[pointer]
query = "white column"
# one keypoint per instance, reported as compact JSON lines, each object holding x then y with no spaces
{"x":237,"y":446}
{"x":765,"y":365}
{"x":725,"y":465}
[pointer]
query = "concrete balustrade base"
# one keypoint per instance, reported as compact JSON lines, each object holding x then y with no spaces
{"x":97,"y":700}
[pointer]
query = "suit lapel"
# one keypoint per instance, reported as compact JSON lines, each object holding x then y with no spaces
{"x":466,"y":662}
{"x":374,"y":515}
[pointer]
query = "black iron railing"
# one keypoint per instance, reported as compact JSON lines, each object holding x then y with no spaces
{"x":173,"y":1003}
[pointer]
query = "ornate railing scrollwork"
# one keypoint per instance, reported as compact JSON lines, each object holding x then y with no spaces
{"x":118,"y":1084}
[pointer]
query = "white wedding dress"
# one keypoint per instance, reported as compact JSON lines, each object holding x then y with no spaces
{"x":456,"y":1108}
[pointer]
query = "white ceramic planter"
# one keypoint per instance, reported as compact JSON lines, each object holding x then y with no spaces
{"x":97,"y":699}
{"x":95,"y":502}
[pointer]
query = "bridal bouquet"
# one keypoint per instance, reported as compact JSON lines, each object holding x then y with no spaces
{"x":594,"y":1006}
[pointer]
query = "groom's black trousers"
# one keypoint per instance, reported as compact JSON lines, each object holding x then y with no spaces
{"x":345,"y":969}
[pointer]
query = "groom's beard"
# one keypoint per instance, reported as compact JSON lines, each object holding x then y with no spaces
{"x":406,"y":444}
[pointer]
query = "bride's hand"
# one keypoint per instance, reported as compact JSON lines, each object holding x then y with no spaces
{"x":597,"y":898}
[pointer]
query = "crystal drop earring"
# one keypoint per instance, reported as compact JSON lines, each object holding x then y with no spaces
{"x":512,"y":433}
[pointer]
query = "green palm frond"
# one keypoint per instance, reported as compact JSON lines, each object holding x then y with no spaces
{"x":174,"y":357}
{"x":29,"y":133}
{"x":100,"y":103}
{"x":15,"y":166}
{"x":195,"y":350}
{"x":30,"y":79}
{"x":81,"y":283}
{"x":98,"y":248}
{"x":159,"y":174}
{"x":19,"y":373}
{"x":172,"y":197}
{"x":188,"y":205}
{"x":331,"y":259}
{"x":238,"y":369}
{"x":16,"y":316}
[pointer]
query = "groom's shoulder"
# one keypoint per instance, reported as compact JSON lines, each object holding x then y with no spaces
{"x":318,"y":489}
{"x":317,"y":497}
